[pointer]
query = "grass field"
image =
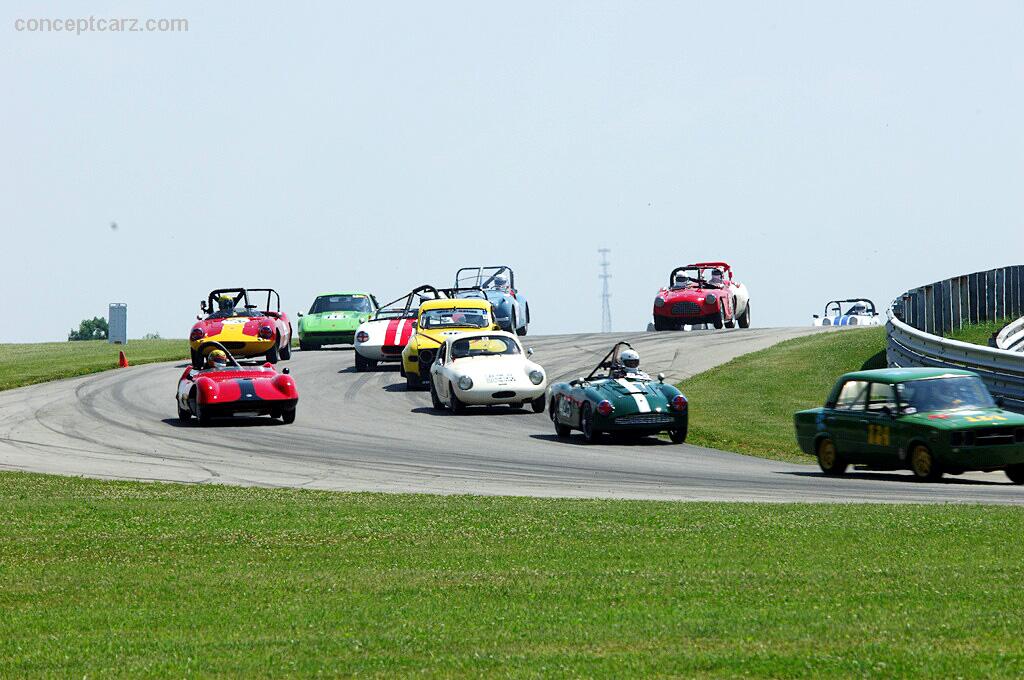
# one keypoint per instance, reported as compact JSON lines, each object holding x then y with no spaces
{"x":747,"y":404}
{"x":130,"y":579}
{"x":31,"y":363}
{"x":978,"y":333}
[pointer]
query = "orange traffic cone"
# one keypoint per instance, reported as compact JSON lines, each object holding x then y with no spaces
{"x":122,"y":360}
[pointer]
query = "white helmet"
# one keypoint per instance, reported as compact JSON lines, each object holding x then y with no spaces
{"x":630,"y":358}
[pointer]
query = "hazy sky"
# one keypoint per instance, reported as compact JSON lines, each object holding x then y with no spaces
{"x":825,"y":149}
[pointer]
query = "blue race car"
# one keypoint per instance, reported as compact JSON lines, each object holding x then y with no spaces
{"x":511,"y":310}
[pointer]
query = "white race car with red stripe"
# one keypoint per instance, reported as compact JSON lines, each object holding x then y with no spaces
{"x":384,"y":335}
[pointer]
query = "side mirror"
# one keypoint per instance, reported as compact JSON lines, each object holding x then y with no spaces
{"x":286,"y":371}
{"x":202,"y":305}
{"x":300,"y":315}
{"x":661,"y":377}
{"x":198,"y":318}
{"x":529,"y":351}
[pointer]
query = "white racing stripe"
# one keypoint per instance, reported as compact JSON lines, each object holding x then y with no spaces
{"x":639,"y":397}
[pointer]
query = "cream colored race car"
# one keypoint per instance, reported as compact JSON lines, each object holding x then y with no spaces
{"x":486,"y":368}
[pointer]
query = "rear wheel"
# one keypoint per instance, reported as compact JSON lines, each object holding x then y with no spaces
{"x":561,"y":431}
{"x":731,"y":323}
{"x":273,"y":355}
{"x":830,"y":460}
{"x":201,"y":415}
{"x":455,"y":404}
{"x":745,"y":319}
{"x":538,"y":404}
{"x":288,"y":417}
{"x":435,"y":400}
{"x":678,"y":436}
{"x":923,"y":464}
{"x":286,"y":351}
{"x":587,"y":423}
{"x":1015,"y":473}
{"x":184,"y":415}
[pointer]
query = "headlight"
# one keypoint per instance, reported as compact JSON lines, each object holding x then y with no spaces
{"x":362,"y":336}
{"x":197,"y":334}
{"x":659,"y":301}
{"x":465,"y":382}
{"x":709,"y":299}
{"x":536,"y":377}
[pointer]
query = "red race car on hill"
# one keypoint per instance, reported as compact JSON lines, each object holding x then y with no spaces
{"x":229,"y":388}
{"x":702,"y":293}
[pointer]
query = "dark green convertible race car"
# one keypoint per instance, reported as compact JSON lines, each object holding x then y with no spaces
{"x":625,"y":400}
{"x":930,"y":420}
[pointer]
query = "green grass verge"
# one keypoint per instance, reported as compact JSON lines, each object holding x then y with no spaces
{"x":978,"y":333}
{"x":130,"y":579}
{"x":747,"y":404}
{"x":31,"y":363}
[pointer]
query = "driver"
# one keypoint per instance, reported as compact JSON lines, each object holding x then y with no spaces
{"x":217,"y":359}
{"x":225,"y":305}
{"x":628,"y":365}
{"x":680,"y":281}
{"x":499,"y":283}
{"x":716,"y":277}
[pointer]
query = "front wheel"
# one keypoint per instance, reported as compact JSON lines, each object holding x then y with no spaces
{"x":830,"y":460}
{"x":745,"y":319}
{"x":455,"y":404}
{"x":1015,"y":473}
{"x":719,"y":320}
{"x":678,"y":436}
{"x":435,"y":400}
{"x":273,"y":355}
{"x":412,"y":382}
{"x":286,"y":351}
{"x":538,"y":404}
{"x":363,"y":364}
{"x":183,"y":414}
{"x":731,"y":323}
{"x":923,"y":464}
{"x":587,"y":424}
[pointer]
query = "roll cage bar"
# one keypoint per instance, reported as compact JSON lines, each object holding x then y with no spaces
{"x":402,"y":307}
{"x":607,"y":361}
{"x":239,"y":294}
{"x":213,"y":344}
{"x":839,"y":309}
{"x":497,"y":269}
{"x":699,"y":267}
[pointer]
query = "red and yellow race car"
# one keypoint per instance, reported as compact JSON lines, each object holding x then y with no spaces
{"x":245,"y":328}
{"x":225,"y":387}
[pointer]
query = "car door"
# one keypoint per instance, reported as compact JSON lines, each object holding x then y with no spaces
{"x":880,"y":446}
{"x":847,"y":419}
{"x":437,"y":371}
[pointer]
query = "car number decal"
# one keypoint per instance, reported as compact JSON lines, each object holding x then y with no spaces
{"x":500,"y":378}
{"x":878,"y":435}
{"x":983,"y":419}
{"x":564,"y":407}
{"x":242,"y":321}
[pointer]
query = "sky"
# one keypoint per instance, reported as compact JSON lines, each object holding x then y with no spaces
{"x":824,"y":149}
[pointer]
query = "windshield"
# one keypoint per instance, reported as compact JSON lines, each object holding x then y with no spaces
{"x":483,"y":345}
{"x":492,"y":278}
{"x":945,"y":394}
{"x":340,"y":303}
{"x":699,"y":276}
{"x":455,"y":318}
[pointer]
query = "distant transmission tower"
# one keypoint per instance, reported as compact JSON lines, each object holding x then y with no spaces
{"x":606,"y":296}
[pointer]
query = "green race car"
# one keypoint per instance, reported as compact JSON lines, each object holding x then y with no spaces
{"x":333,"y":319}
{"x":930,"y":420}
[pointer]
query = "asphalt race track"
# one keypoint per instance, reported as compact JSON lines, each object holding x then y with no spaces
{"x":364,"y":432}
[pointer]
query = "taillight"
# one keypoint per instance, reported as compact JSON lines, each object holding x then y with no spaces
{"x":679,"y":403}
{"x":605,"y":408}
{"x":266,"y":332}
{"x":197,"y":334}
{"x":362,"y":336}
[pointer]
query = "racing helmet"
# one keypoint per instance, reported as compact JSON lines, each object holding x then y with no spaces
{"x":716,"y":276}
{"x":630,"y":358}
{"x":225,"y":303}
{"x":499,"y":281}
{"x":217,"y":359}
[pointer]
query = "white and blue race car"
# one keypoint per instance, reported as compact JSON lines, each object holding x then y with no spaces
{"x":852,"y":312}
{"x":498,"y":282}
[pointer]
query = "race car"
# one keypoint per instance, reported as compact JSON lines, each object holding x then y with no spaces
{"x":333,"y":318}
{"x":702,"y":293}
{"x":622,"y":400}
{"x":384,"y":335}
{"x":852,"y":312}
{"x":247,"y":329}
{"x":511,"y":310}
{"x":234,"y":389}
{"x":485,"y":369}
{"x":435,"y":322}
{"x":930,"y":420}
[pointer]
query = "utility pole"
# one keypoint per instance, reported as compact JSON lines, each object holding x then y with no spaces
{"x":606,"y":307}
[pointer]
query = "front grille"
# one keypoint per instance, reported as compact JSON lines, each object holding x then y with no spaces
{"x":234,"y":345}
{"x":393,"y":350}
{"x":504,"y":394}
{"x":646,"y":419}
{"x":329,"y":334}
{"x":686,"y":309}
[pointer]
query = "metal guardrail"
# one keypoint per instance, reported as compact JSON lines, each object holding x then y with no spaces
{"x":1011,"y":338}
{"x":918,"y":318}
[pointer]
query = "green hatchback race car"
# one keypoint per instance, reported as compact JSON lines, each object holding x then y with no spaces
{"x":930,"y":420}
{"x":333,"y":319}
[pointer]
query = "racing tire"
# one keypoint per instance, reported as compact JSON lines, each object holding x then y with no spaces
{"x":923,"y":464}
{"x":830,"y":460}
{"x":203,"y":418}
{"x":286,"y":351}
{"x":288,"y":417}
{"x":719,"y":320}
{"x":183,"y":415}
{"x":587,"y":424}
{"x":197,"y":359}
{"x":678,"y":436}
{"x":363,"y":364}
{"x":412,"y":382}
{"x":731,"y":323}
{"x":662,"y":324}
{"x":435,"y":401}
{"x":273,"y":356}
{"x":539,"y":403}
{"x":745,"y":319}
{"x":455,"y":404}
{"x":1015,"y":473}
{"x":561,"y":431}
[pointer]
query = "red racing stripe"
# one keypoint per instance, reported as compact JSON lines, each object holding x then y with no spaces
{"x":406,"y":332}
{"x":389,"y":334}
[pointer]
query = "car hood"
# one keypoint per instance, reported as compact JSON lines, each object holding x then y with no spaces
{"x":966,"y":420}
{"x":618,"y":389}
{"x":333,"y":320}
{"x":692,"y":294}
{"x":510,"y":363}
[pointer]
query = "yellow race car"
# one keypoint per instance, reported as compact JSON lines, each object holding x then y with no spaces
{"x":437,"y":319}
{"x":244,"y":328}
